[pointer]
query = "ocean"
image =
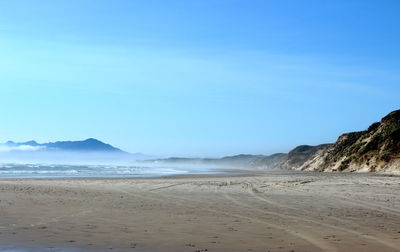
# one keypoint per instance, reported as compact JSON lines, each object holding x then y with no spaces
{"x":96,"y":171}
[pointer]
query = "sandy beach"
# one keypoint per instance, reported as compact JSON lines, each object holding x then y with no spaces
{"x":260,"y":212}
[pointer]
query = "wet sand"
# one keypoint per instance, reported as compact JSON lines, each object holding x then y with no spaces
{"x":273,"y":211}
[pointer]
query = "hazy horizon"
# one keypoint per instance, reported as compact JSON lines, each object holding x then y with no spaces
{"x":196,"y":78}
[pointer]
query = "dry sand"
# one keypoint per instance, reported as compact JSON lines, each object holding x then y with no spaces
{"x":274,"y":211}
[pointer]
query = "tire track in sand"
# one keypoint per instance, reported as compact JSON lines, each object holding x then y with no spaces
{"x":323,"y":246}
{"x":351,"y":231}
{"x":358,"y":203}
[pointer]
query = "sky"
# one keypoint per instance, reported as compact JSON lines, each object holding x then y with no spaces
{"x":197,"y":77}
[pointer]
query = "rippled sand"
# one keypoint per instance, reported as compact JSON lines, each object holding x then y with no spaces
{"x":274,"y":211}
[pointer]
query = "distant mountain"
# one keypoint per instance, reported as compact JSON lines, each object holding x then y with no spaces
{"x":301,"y":155}
{"x":242,"y":160}
{"x":14,"y":144}
{"x":88,"y":145}
{"x":89,"y":151}
{"x":269,"y":162}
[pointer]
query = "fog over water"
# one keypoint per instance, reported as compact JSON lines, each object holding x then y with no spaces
{"x":59,"y":164}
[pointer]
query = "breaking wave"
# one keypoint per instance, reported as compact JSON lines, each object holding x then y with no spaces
{"x":87,"y":171}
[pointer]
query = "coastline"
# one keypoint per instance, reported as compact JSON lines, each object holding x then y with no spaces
{"x":239,"y":211}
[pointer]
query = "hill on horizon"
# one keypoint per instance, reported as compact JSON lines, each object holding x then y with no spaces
{"x":88,"y":145}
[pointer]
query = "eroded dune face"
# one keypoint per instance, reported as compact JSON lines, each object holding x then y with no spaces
{"x":376,"y":149}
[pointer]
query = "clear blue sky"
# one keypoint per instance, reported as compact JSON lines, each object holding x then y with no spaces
{"x":197,"y":77}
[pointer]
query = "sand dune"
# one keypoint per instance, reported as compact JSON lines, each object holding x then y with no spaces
{"x":276,"y":211}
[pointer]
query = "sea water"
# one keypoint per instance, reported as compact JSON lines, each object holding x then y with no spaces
{"x":95,"y":171}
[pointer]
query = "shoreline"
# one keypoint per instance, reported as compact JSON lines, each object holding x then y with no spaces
{"x":245,"y":211}
{"x":217,"y":173}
